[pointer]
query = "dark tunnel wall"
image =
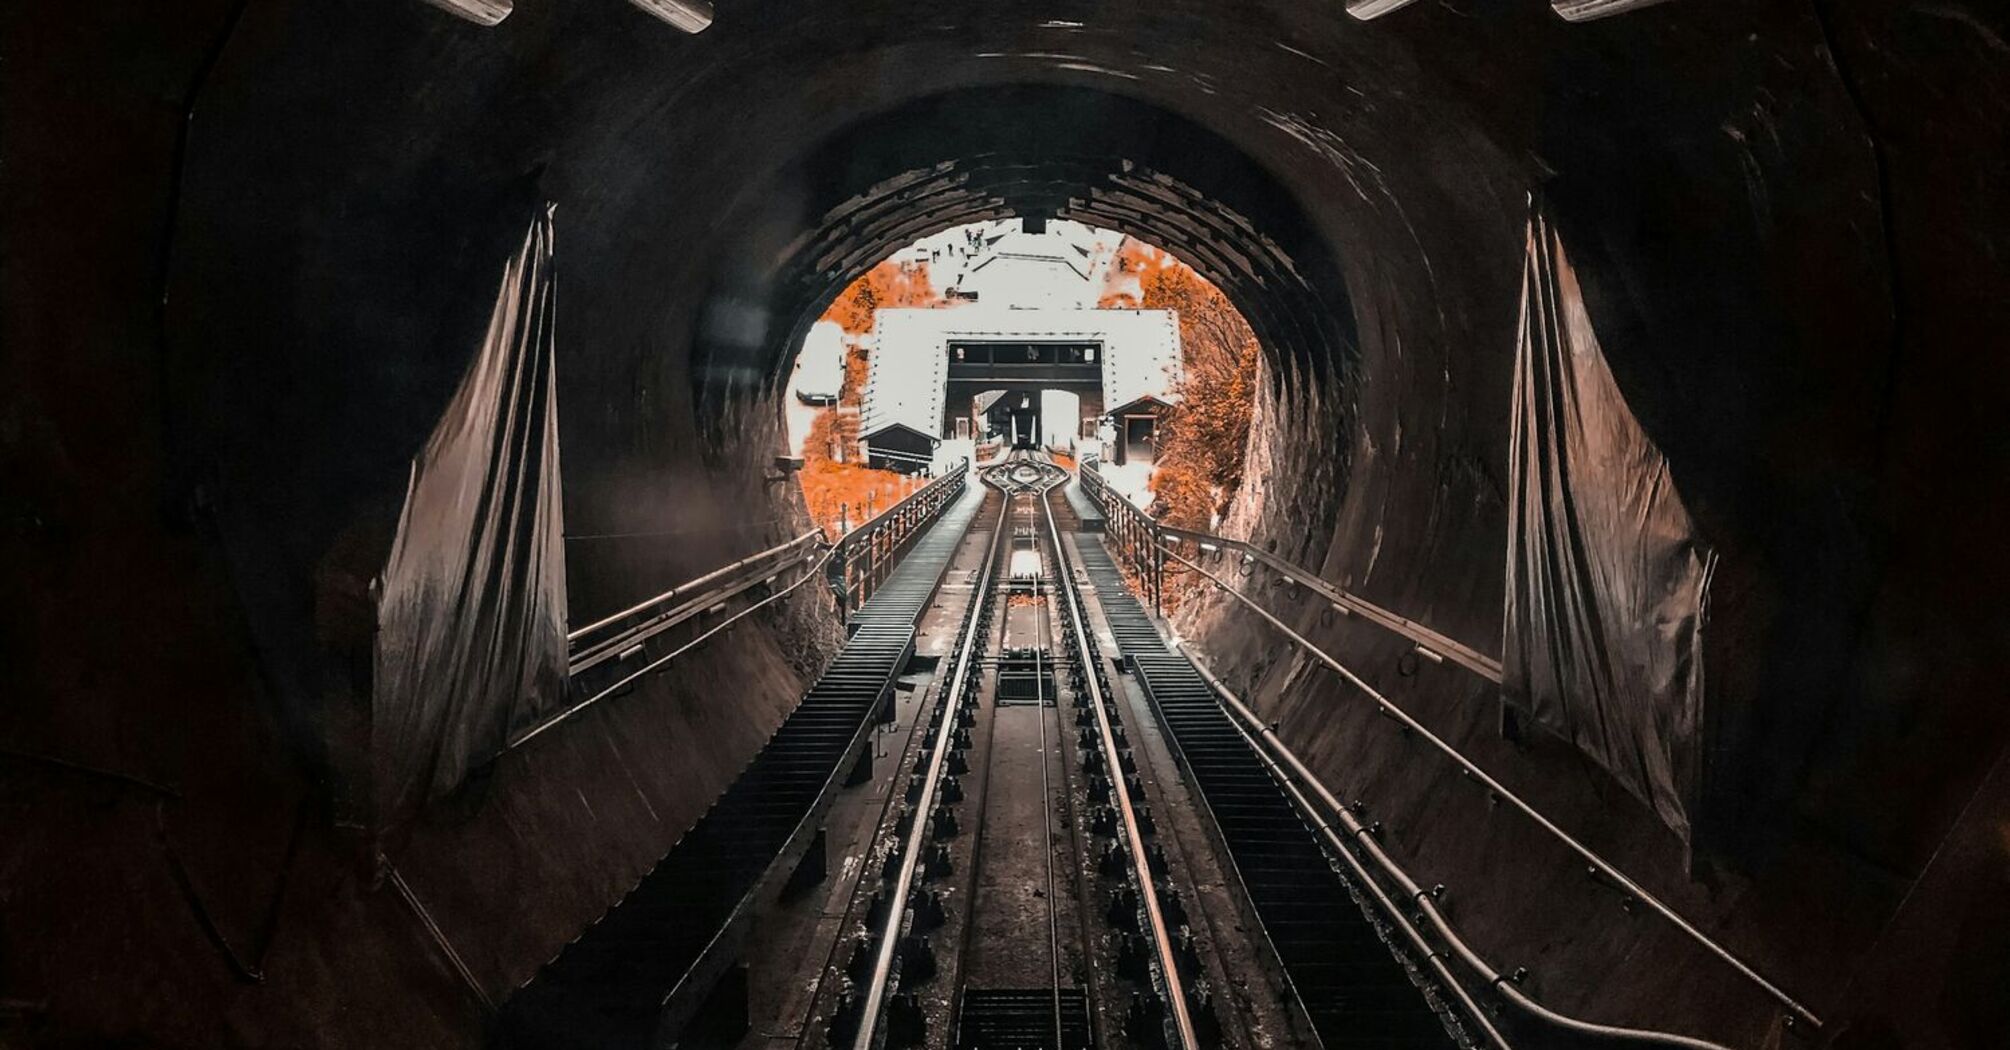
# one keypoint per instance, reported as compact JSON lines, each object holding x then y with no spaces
{"x":1788,"y":222}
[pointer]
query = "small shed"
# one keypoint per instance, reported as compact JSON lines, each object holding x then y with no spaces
{"x":1136,"y":423}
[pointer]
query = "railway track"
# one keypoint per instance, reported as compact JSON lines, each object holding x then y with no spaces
{"x":1021,"y":842}
{"x":1009,"y":890}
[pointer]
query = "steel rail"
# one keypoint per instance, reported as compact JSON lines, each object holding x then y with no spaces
{"x":1042,"y":633}
{"x":924,"y":808}
{"x":1078,"y":623}
{"x":1049,"y":478}
{"x":1598,"y":863}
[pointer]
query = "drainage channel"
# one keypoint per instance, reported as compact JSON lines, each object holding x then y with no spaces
{"x":642,"y":971}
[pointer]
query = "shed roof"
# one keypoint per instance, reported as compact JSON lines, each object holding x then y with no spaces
{"x":908,"y":373}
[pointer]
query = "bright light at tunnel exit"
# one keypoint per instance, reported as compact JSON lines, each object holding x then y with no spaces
{"x":1005,"y":280}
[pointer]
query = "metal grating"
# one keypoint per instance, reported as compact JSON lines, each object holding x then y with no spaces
{"x":1022,"y":1019}
{"x":1357,"y":993}
{"x":649,"y":961}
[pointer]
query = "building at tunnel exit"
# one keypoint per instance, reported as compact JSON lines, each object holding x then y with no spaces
{"x":928,"y":366}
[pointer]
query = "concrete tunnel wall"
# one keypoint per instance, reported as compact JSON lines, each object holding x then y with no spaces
{"x":1788,"y":223}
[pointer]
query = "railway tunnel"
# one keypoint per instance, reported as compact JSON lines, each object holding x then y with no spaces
{"x":252,"y":255}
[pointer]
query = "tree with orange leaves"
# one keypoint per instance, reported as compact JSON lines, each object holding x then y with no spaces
{"x":890,"y":284}
{"x":838,"y":492}
{"x":1202,"y":440}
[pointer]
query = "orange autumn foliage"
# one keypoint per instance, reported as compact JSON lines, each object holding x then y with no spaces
{"x":843,"y":495}
{"x":1135,"y":262}
{"x":890,"y":284}
{"x":1202,"y":440}
{"x":839,"y":491}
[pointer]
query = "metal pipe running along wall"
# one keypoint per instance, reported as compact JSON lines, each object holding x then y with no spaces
{"x":1291,"y":772}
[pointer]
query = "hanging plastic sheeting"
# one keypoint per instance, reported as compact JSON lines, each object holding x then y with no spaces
{"x":1607,"y":580}
{"x":471,"y":605}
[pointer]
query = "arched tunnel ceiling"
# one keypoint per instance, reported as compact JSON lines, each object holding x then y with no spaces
{"x":1358,"y":190}
{"x":1004,"y":150}
{"x":671,"y":161}
{"x":1408,"y":146}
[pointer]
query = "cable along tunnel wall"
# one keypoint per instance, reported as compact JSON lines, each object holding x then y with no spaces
{"x":1149,"y":546}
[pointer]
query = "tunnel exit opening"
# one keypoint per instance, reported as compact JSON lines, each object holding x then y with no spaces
{"x":1093,"y":346}
{"x":877,"y":205}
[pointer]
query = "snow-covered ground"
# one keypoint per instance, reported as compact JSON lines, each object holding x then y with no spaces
{"x":800,"y":418}
{"x":1133,"y":479}
{"x":951,"y":452}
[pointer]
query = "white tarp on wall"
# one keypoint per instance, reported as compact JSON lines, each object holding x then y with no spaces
{"x":471,"y":607}
{"x":1607,"y":579}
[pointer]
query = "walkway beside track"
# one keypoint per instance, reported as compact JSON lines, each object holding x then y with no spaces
{"x":1357,"y":993}
{"x":651,"y":960}
{"x":1088,"y":516}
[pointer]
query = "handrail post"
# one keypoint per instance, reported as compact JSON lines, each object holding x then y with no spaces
{"x":1158,"y":575}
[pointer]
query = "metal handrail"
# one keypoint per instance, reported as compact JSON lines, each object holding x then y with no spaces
{"x":807,"y":556}
{"x":1797,"y":1012}
{"x":810,"y":572}
{"x":736,"y":577}
{"x":1289,"y":780}
{"x":1291,"y":772}
{"x":1431,"y":644}
{"x":877,"y":539}
{"x":947,"y":479}
{"x":574,"y":637}
{"x":1438,"y":647}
